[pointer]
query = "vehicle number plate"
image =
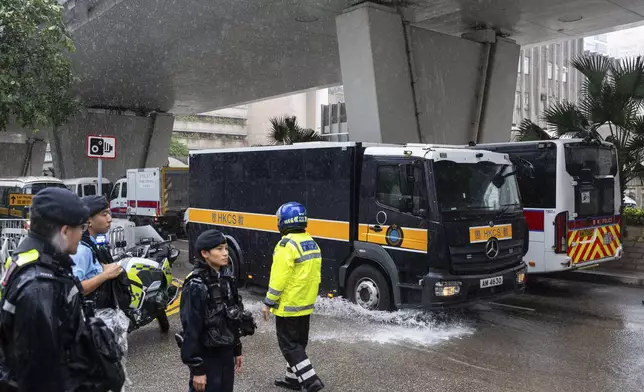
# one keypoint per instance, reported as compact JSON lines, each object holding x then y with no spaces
{"x":586,"y":233}
{"x":491,"y":282}
{"x":484,"y":233}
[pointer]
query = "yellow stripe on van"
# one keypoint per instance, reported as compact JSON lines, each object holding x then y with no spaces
{"x":415,"y":239}
{"x":405,"y":238}
{"x":335,"y":230}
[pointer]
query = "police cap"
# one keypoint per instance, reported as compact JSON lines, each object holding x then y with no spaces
{"x":95,"y":203}
{"x":59,"y":205}
{"x":209,"y":239}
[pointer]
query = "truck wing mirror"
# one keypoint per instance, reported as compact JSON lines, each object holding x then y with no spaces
{"x":407,"y":179}
{"x":523,"y":167}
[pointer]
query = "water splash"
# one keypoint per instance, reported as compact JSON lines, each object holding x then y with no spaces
{"x":343,"y":321}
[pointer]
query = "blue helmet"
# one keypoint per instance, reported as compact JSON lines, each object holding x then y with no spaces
{"x":291,"y":215}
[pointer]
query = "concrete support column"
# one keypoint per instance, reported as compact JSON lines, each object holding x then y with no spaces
{"x":414,"y":85}
{"x":141,"y":141}
{"x":24,"y":153}
{"x":376,"y":75}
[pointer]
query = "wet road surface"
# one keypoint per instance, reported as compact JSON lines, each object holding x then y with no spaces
{"x":559,"y":336}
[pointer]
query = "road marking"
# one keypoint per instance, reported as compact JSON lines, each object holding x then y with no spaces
{"x":513,"y":307}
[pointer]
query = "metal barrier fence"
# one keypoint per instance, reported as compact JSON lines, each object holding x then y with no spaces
{"x":12,"y":231}
{"x":116,"y":238}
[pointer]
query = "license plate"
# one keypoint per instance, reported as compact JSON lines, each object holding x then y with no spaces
{"x":484,"y":233}
{"x":491,"y":282}
{"x":585,"y":233}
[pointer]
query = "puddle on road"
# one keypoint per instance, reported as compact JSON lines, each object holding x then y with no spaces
{"x":340,"y":320}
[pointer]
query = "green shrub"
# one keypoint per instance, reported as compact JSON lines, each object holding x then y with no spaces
{"x":633,"y":216}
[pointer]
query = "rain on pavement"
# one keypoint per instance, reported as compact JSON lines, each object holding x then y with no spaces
{"x":559,"y":336}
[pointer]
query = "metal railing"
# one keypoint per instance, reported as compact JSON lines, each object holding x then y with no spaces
{"x":12,"y":232}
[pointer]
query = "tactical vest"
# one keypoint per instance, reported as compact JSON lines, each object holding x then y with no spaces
{"x":223,"y":313}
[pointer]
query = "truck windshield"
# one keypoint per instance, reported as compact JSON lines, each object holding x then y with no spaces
{"x":475,"y":186}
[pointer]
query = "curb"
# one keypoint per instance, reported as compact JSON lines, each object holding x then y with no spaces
{"x":609,"y":278}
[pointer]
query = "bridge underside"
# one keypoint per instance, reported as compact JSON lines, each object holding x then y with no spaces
{"x":439,"y":71}
{"x":197,"y":56}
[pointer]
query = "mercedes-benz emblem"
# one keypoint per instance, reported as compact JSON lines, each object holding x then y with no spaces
{"x":491,"y":224}
{"x":492,"y":248}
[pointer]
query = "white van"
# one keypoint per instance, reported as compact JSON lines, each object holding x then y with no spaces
{"x":87,"y":186}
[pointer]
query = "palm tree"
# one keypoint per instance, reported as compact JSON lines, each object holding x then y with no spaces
{"x":612,"y":95}
{"x":286,"y":130}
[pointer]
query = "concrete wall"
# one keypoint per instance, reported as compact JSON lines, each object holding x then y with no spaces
{"x":140,"y":142}
{"x":15,"y":145}
{"x":208,"y":141}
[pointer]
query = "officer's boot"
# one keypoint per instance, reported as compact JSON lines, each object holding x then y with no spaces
{"x":289,"y":381}
{"x":315,"y":386}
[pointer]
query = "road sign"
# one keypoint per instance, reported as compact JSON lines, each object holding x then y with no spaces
{"x":102,"y":147}
{"x":20,"y":200}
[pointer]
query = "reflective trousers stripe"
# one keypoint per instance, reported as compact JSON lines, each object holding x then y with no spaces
{"x":307,"y":375}
{"x":298,"y":308}
{"x":311,"y":256}
{"x":302,"y":364}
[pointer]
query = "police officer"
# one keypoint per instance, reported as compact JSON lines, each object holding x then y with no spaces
{"x":292,"y":291}
{"x":88,"y":268}
{"x":41,"y":306}
{"x":211,"y":346}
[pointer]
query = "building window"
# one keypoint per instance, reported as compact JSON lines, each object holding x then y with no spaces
{"x":526,"y":101}
{"x":549,"y":70}
{"x":526,"y":65}
{"x":564,"y":74}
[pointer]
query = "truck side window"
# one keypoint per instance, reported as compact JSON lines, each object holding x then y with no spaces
{"x":388,"y":186}
{"x":124,"y":189}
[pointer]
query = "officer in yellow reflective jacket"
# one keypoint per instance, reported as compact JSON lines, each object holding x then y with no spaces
{"x":292,"y":291}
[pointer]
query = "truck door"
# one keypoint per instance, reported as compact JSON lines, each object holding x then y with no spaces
{"x":118,"y":202}
{"x":394,"y":210}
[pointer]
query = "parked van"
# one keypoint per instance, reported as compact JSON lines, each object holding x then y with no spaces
{"x":87,"y":186}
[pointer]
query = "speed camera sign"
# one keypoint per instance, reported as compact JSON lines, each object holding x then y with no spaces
{"x":103,"y":147}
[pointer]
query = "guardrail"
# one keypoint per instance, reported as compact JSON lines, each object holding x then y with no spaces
{"x":12,"y":231}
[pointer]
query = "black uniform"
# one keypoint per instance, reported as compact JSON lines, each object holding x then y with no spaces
{"x":43,"y":335}
{"x":210,"y":341}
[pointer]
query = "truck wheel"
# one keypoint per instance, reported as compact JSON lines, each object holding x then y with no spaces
{"x":368,"y":288}
{"x":164,"y":323}
{"x":233,"y":261}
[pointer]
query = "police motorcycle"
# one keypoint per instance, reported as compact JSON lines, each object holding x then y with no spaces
{"x":150,"y":248}
{"x":152,"y":286}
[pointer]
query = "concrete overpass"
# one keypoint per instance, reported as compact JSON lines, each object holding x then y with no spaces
{"x":417,"y":70}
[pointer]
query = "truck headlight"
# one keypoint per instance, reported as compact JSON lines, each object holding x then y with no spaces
{"x":447,"y":289}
